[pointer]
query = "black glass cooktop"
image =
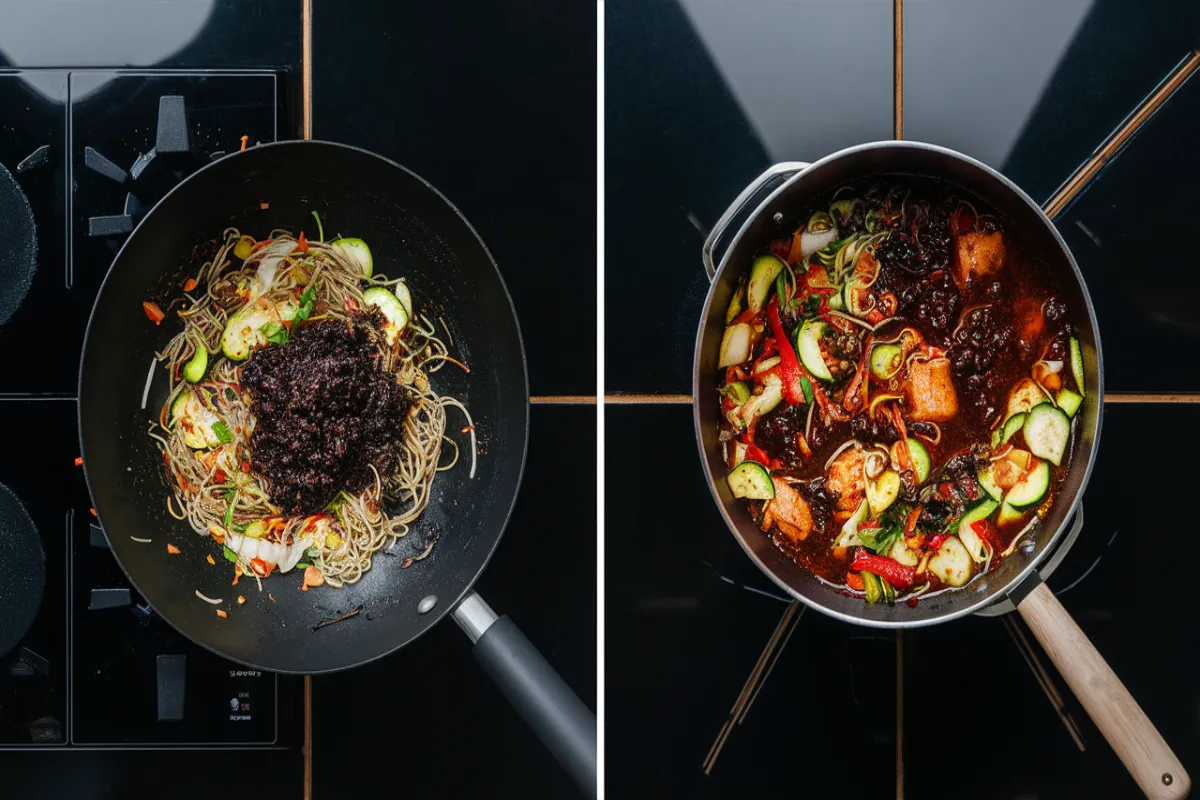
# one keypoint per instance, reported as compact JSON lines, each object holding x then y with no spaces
{"x":700,"y":98}
{"x":92,"y":151}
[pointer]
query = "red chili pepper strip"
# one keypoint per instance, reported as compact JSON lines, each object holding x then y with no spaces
{"x":889,"y":569}
{"x":934,"y":543}
{"x":754,"y":453}
{"x":791,"y":371}
{"x":855,"y":400}
{"x":910,"y":524}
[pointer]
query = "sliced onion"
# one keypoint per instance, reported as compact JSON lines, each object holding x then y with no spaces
{"x":143,"y":541}
{"x":208,"y":599}
{"x":812,"y":242}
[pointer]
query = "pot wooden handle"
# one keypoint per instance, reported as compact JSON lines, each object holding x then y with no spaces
{"x":1132,"y":735}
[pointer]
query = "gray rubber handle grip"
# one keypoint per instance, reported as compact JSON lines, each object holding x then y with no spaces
{"x":555,"y":713}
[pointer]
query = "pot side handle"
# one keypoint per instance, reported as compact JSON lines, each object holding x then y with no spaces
{"x":770,"y":180}
{"x":1138,"y":744}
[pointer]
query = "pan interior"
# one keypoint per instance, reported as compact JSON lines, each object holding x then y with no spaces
{"x":414,"y":233}
{"x":1021,"y":216}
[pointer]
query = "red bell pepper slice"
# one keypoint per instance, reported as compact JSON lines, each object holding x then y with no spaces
{"x":791,"y":371}
{"x":755,"y":453}
{"x":889,"y":569}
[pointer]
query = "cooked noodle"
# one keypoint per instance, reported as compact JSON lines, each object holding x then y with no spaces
{"x":214,"y":488}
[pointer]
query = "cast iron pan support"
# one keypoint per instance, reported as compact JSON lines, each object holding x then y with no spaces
{"x":540,"y":696}
{"x":1139,"y":745}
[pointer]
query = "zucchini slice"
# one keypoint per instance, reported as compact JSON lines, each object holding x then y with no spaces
{"x":738,"y":391}
{"x":751,"y":480}
{"x":921,"y":461}
{"x":404,"y":295}
{"x":762,"y":278}
{"x":1077,"y":366}
{"x":849,"y":536}
{"x":872,"y":586}
{"x":735,"y":345}
{"x":1024,"y":396}
{"x":1047,"y":431}
{"x":886,"y":361}
{"x":1006,"y":431}
{"x":1008,"y":514}
{"x":904,"y":554}
{"x":737,"y":304}
{"x":952,"y":563}
{"x":883,"y":491}
{"x":1069,"y":401}
{"x":244,"y":332}
{"x":1031,"y":488}
{"x":984,"y":476}
{"x":196,"y":421}
{"x":197,"y":365}
{"x":356,"y":252}
{"x":808,"y":345}
{"x":970,"y":539}
{"x":395,"y":317}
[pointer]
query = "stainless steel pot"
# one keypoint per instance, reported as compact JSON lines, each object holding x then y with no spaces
{"x":767,"y":210}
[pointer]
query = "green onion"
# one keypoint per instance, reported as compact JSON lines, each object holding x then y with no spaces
{"x":229,"y":509}
{"x":806,"y":387}
{"x":229,"y":554}
{"x":320,"y":227}
{"x":222,"y":431}
{"x":871,"y":585}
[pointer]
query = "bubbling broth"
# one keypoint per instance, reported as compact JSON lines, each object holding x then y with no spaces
{"x":899,"y":384}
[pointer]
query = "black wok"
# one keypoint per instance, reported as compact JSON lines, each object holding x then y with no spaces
{"x":766,"y":210}
{"x":414,"y":232}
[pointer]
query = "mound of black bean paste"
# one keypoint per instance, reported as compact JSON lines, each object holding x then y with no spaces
{"x":324,"y":412}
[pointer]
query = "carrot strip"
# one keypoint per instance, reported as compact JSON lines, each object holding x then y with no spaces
{"x":172,"y":549}
{"x":244,"y":140}
{"x":189,"y":285}
{"x":153,"y":312}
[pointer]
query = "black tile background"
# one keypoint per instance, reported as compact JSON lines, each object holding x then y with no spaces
{"x":679,"y":147}
{"x":432,"y":725}
{"x":681,"y":641}
{"x":495,"y":105}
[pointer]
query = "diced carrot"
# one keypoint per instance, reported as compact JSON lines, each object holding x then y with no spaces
{"x":189,"y":284}
{"x":153,"y":312}
{"x":304,"y":587}
{"x":841,"y":552}
{"x":244,"y":140}
{"x":79,"y":461}
{"x":855,"y":581}
{"x":241,"y":599}
{"x":221,"y":613}
{"x":313,"y":576}
{"x":209,"y":559}
{"x":94,"y":514}
{"x":237,"y":575}
{"x":264,"y":206}
{"x":172,"y":549}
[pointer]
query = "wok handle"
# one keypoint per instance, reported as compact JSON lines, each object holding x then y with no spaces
{"x":1132,"y":735}
{"x":771,"y":178}
{"x":555,"y":713}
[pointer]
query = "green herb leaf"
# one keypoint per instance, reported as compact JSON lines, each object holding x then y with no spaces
{"x":307,"y":299}
{"x":879,"y":540}
{"x":228,"y":495}
{"x":229,"y":554}
{"x":274,"y":332}
{"x":806,"y":387}
{"x":222,"y":431}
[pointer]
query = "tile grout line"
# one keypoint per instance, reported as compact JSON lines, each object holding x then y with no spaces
{"x":1132,"y":124}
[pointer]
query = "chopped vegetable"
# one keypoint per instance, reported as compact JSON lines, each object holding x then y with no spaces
{"x":79,"y":461}
{"x":762,"y":277}
{"x":752,"y":481}
{"x":313,"y":576}
{"x":320,"y":227}
{"x":153,"y":312}
{"x":735,"y":345}
{"x":395,"y":317}
{"x":952,"y":563}
{"x":356,"y":252}
{"x":222,"y":431}
{"x":172,"y":549}
{"x":189,"y":284}
{"x":221,"y":614}
{"x":808,"y":343}
{"x":871,"y":586}
{"x":240,"y":600}
{"x":890,"y":570}
{"x":197,"y":365}
{"x":1077,"y":366}
{"x":243,"y":248}
{"x":1047,"y":431}
{"x":886,"y":361}
{"x":210,"y":560}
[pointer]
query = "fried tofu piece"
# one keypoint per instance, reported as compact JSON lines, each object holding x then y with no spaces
{"x":789,"y":512}
{"x":979,"y":255}
{"x":847,"y":479}
{"x":930,"y":391}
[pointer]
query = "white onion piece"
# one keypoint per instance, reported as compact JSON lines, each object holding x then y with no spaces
{"x":208,"y":599}
{"x":295,"y":553}
{"x":812,"y":242}
{"x":269,"y":266}
{"x":1052,"y":366}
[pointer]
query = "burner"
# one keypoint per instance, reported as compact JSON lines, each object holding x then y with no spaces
{"x":173,"y":157}
{"x":22,"y":570}
{"x":18,"y":247}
